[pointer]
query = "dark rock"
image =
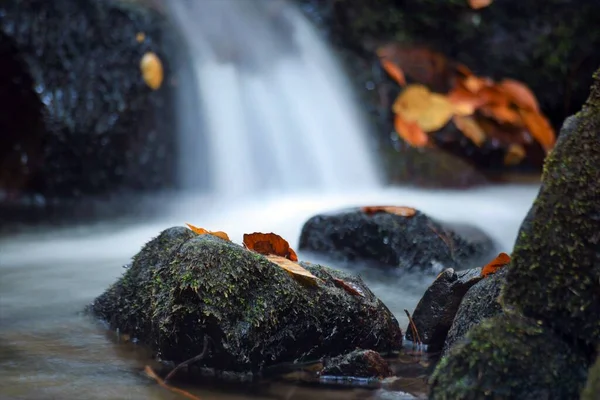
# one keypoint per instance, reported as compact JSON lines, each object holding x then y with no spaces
{"x":182,"y":287}
{"x":479,"y":303}
{"x":78,"y":119}
{"x":555,"y":271}
{"x":510,"y":357}
{"x":435,"y":311}
{"x":359,"y":363}
{"x":505,"y":40}
{"x":592,"y":387}
{"x":405,"y":243}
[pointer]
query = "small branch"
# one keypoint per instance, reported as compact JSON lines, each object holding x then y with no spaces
{"x":162,"y":383}
{"x":191,"y":360}
{"x":413,"y":327}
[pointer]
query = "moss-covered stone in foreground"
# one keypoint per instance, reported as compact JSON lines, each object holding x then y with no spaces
{"x":183,"y":286}
{"x":555,"y":273}
{"x":509,"y":357}
{"x":592,"y":387}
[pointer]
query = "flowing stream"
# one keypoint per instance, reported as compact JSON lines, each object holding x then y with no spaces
{"x":276,"y":138}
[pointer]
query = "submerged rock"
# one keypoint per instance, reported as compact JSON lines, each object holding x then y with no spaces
{"x":510,"y":357}
{"x":555,"y":271}
{"x":182,"y":287}
{"x":359,"y":363}
{"x":479,"y":303}
{"x":406,"y":243}
{"x":435,"y":311}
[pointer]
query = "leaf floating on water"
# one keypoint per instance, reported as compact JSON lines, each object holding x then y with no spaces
{"x":477,"y":4}
{"x":493,"y":266}
{"x":162,"y":383}
{"x":152,"y":70}
{"x":202,"y":231}
{"x":411,"y":132}
{"x":269,"y":244}
{"x":396,"y":210}
{"x":348,"y":287}
{"x":294,"y":269}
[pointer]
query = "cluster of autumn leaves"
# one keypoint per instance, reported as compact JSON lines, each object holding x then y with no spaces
{"x":479,"y":107}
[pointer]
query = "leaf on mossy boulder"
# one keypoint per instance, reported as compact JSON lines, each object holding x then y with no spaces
{"x":202,"y":231}
{"x":493,"y":266}
{"x":295,"y":269}
{"x":269,"y":244}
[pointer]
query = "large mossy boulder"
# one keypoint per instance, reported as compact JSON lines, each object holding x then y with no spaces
{"x":77,"y":117}
{"x":182,"y":287}
{"x":555,"y":270}
{"x":510,"y":357}
{"x":404,"y":243}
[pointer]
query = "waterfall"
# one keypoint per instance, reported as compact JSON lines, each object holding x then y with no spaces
{"x":266,"y":106}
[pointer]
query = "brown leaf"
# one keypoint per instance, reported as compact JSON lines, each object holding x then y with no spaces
{"x":269,"y":244}
{"x":401,"y":211}
{"x":294,"y":269}
{"x":411,"y":132}
{"x":395,"y":72}
{"x":540,"y":128}
{"x":493,"y":266}
{"x":349,"y":287}
{"x":202,"y":231}
{"x":514,"y":155}
{"x":470,"y":128}
{"x":152,"y":70}
{"x":503,"y":113}
{"x":519,"y":94}
{"x":431,"y":111}
{"x":477,"y":4}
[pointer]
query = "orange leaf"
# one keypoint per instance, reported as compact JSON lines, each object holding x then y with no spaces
{"x":520,"y":94}
{"x":493,"y":266}
{"x":395,"y":72}
{"x":540,"y":128}
{"x":477,"y":4}
{"x":202,"y":231}
{"x":152,"y":70}
{"x":503,"y":114}
{"x":396,"y":210}
{"x":294,"y":269}
{"x":411,"y":132}
{"x":348,"y":287}
{"x":464,"y":101}
{"x":417,"y":103}
{"x":514,"y":155}
{"x":162,"y":383}
{"x":470,"y":128}
{"x":269,"y":244}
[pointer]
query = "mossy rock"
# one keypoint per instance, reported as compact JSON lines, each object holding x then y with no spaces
{"x":510,"y":357}
{"x":592,"y":387}
{"x":555,"y":271}
{"x":182,"y":287}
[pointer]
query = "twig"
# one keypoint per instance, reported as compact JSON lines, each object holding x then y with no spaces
{"x":413,"y":327}
{"x":191,"y":360}
{"x":162,"y":383}
{"x":447,"y":240}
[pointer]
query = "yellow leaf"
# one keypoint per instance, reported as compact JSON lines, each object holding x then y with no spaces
{"x":152,"y":70}
{"x":293,"y":269}
{"x":430,"y":110}
{"x":470,"y":128}
{"x":514,"y":155}
{"x":202,"y":231}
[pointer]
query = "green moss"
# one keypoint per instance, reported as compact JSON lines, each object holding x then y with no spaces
{"x":509,"y":357}
{"x":555,"y":273}
{"x":592,"y":387}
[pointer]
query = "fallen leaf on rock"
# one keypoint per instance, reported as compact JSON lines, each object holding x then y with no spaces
{"x":477,"y":4}
{"x":202,"y":231}
{"x":294,"y":269}
{"x":493,"y":266}
{"x":395,"y":72}
{"x":520,"y":94}
{"x":514,"y":155}
{"x":540,"y":128}
{"x":401,"y":211}
{"x":162,"y":383}
{"x":431,"y":111}
{"x":348,"y":287}
{"x":269,"y":244}
{"x":470,"y":128}
{"x":411,"y":132}
{"x":152,"y":70}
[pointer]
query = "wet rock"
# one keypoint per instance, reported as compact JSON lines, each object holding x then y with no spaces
{"x":78,"y":119}
{"x":555,"y":271}
{"x":479,"y":303}
{"x":510,"y":357}
{"x":183,"y":287}
{"x":359,"y":363}
{"x":592,"y":387}
{"x":414,"y":243}
{"x":435,"y":311}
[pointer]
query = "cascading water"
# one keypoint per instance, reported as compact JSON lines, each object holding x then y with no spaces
{"x":275,"y":112}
